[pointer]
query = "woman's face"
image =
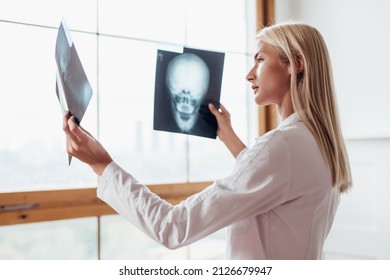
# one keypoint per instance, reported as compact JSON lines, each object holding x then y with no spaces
{"x":269,"y":76}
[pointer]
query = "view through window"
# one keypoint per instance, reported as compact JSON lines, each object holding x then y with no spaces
{"x":117,"y":42}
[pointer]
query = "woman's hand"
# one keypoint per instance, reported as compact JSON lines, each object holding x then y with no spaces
{"x":225,"y":130}
{"x":82,"y":145}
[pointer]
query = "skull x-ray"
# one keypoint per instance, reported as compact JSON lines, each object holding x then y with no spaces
{"x":185,"y":84}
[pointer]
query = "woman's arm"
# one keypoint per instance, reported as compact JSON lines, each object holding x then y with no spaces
{"x":225,"y":131}
{"x":86,"y":148}
{"x":246,"y":191}
{"x":257,"y":184}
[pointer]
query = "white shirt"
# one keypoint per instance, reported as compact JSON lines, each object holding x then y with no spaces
{"x":278,"y":202}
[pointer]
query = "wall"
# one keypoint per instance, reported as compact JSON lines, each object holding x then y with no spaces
{"x":358,"y":40}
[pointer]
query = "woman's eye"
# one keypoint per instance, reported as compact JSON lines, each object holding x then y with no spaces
{"x":259,"y":59}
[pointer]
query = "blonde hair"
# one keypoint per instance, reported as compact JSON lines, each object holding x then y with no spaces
{"x":313,"y":94}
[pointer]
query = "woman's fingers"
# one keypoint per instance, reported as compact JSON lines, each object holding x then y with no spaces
{"x":66,"y":127}
{"x":81,"y":144}
{"x":70,"y":126}
{"x":224,"y":110}
{"x":221,"y":114}
{"x":75,"y":136}
{"x":216,"y":112}
{"x":85,"y":131}
{"x":65,"y":119}
{"x":213,"y":110}
{"x":76,"y":131}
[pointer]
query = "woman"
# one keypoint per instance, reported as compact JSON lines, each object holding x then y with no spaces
{"x":281,"y":198}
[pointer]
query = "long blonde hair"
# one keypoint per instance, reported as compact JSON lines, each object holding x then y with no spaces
{"x":313,"y":94}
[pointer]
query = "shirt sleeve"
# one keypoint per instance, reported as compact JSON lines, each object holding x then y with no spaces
{"x":259,"y":182}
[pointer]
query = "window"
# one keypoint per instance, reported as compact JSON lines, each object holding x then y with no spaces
{"x":117,"y":43}
{"x":69,"y":239}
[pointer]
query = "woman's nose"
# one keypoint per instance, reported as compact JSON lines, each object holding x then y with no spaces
{"x":251,"y":75}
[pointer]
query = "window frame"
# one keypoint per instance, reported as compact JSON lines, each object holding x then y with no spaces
{"x":39,"y":206}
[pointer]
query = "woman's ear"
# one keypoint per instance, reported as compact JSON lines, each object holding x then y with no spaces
{"x":299,"y":63}
{"x":300,"y":66}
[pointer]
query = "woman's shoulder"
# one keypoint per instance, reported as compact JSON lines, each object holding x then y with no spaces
{"x":287,"y":138}
{"x":291,"y":131}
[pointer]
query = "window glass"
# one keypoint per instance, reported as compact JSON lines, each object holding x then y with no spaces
{"x":154,"y":20}
{"x":216,"y":24}
{"x":127,"y":72}
{"x":121,"y":240}
{"x":80,"y":15}
{"x":125,"y":92}
{"x":32,"y":145}
{"x":61,"y":240}
{"x":117,"y":41}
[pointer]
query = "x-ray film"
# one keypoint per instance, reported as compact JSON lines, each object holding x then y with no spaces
{"x":72,"y":87}
{"x":185,"y":84}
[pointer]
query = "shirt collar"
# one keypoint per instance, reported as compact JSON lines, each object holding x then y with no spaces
{"x":290,"y":119}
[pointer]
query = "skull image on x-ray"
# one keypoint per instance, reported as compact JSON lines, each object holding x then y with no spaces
{"x":187,"y":79}
{"x":185,"y":83}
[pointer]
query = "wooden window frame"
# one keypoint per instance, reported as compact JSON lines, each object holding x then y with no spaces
{"x":265,"y":15}
{"x":39,"y":206}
